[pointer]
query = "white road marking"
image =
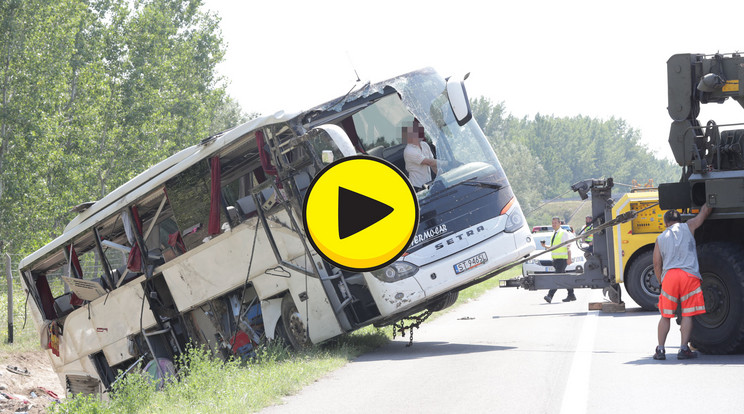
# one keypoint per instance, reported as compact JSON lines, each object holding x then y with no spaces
{"x":576,"y":395}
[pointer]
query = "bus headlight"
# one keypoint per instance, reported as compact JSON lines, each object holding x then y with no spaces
{"x":515,"y":220}
{"x":395,"y":271}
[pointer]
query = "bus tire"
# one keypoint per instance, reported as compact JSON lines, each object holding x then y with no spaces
{"x":291,"y":327}
{"x":721,"y":329}
{"x":444,"y":301}
{"x":641,"y":282}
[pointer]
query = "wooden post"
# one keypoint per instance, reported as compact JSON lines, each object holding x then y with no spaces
{"x":10,"y":298}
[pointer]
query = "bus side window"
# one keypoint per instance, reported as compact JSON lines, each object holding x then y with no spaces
{"x":167,"y":238}
{"x":189,"y":196}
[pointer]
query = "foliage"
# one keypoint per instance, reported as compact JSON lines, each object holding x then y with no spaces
{"x":25,"y":334}
{"x":544,"y":156}
{"x":92,"y":92}
{"x":526,"y":174}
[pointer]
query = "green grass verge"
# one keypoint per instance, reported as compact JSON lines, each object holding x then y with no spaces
{"x":209,"y":385}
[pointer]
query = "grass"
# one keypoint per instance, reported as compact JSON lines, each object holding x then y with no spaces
{"x":24,"y":338}
{"x":208,"y":385}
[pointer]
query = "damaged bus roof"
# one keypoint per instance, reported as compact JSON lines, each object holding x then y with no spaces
{"x":161,"y":172}
{"x":156,"y":175}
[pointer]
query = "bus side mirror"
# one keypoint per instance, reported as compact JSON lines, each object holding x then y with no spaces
{"x":458,"y":99}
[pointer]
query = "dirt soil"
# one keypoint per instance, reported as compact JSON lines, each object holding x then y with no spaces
{"x":32,"y":392}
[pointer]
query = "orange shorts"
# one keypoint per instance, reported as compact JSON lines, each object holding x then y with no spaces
{"x":680,"y":287}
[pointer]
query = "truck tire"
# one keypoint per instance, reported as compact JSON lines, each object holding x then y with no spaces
{"x":641,"y":282}
{"x":291,"y":327}
{"x":721,"y":329}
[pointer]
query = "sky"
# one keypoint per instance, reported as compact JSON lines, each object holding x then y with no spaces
{"x":564,"y":58}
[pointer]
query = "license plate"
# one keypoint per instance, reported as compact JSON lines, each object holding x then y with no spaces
{"x":470,"y":263}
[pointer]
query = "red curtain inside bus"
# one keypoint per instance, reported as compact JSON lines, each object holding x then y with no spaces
{"x":134,"y":263}
{"x":47,"y":299}
{"x":264,"y":155}
{"x":76,"y":271}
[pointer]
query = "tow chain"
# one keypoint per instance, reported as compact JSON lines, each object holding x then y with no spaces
{"x":417,"y":320}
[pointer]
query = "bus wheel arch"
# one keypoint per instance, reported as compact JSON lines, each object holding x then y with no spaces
{"x":721,"y":329}
{"x":271,"y":309}
{"x":640,"y":280}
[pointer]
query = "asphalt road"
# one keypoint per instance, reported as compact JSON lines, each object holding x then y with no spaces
{"x":510,"y":352}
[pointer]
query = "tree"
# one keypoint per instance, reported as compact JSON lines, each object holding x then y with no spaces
{"x":524,"y":170}
{"x":228,"y":114}
{"x":94,"y":92}
{"x":545,"y":155}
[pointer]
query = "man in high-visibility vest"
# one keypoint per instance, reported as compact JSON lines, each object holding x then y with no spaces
{"x":590,"y":238}
{"x":561,"y":257}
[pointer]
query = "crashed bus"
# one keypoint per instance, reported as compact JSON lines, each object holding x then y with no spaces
{"x":207,"y":247}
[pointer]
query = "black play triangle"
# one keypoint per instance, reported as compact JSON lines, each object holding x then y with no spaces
{"x":356,"y":212}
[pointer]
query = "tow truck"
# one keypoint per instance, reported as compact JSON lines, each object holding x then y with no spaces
{"x":712,"y":162}
{"x":600,"y":268}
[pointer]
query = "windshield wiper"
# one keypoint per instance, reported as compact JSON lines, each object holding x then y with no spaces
{"x":486,"y":184}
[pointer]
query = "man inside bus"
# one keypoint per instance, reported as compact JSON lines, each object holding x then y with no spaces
{"x":418,"y":156}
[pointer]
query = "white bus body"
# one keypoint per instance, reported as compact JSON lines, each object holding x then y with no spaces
{"x":102,"y":305}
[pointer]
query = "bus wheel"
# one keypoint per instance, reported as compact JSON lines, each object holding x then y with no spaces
{"x":291,"y":326}
{"x":444,"y":302}
{"x":641,"y":282}
{"x":721,"y":329}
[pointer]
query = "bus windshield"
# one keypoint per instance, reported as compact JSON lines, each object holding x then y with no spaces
{"x":462,"y":152}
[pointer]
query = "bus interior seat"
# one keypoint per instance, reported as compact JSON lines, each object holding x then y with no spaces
{"x":376,"y":151}
{"x":303,"y":182}
{"x":233,"y":213}
{"x":62,"y":304}
{"x":248,"y":206}
{"x":155,"y":257}
{"x":394,"y":155}
{"x":122,"y":276}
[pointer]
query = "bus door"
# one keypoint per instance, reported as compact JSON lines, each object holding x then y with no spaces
{"x":347,"y":292}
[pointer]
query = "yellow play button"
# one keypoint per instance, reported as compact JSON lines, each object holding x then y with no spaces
{"x":360,"y":213}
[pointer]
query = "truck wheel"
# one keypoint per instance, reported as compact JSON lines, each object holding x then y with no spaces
{"x":641,"y":282}
{"x":291,"y":326}
{"x":447,"y":300}
{"x":721,"y":329}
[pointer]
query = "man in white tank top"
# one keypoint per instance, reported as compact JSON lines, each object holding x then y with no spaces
{"x":418,"y":156}
{"x":676,"y":268}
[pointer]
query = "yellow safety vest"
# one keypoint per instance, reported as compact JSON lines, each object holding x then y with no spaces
{"x":561,"y":253}
{"x":590,"y":237}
